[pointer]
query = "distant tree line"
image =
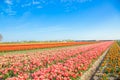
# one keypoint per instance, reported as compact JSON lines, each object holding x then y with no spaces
{"x":1,"y":37}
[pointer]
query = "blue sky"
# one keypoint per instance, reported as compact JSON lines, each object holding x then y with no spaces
{"x":59,"y":19}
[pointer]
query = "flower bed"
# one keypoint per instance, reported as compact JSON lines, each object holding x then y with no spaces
{"x":110,"y":67}
{"x":66,"y":63}
{"x":14,"y":47}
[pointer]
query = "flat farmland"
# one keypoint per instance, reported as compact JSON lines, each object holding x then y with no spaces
{"x":63,"y":63}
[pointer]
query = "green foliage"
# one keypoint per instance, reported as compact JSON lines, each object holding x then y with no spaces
{"x":118,"y":42}
{"x":9,"y":74}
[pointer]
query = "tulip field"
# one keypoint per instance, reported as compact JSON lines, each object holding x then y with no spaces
{"x":67,"y":63}
{"x":13,"y":47}
{"x":110,"y":67}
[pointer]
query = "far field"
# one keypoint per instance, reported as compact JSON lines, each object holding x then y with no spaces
{"x":12,"y":48}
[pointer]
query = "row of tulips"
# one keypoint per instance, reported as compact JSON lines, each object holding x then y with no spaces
{"x":71,"y":68}
{"x":14,"y":47}
{"x":110,"y":67}
{"x":25,"y":66}
{"x":46,"y":55}
{"x":36,"y":60}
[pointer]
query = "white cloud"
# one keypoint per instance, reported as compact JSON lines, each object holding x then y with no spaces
{"x":68,"y":6}
{"x":39,"y":6}
{"x":25,"y":5}
{"x":9,"y":11}
{"x":9,"y":2}
{"x":35,"y":2}
{"x":75,"y":0}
